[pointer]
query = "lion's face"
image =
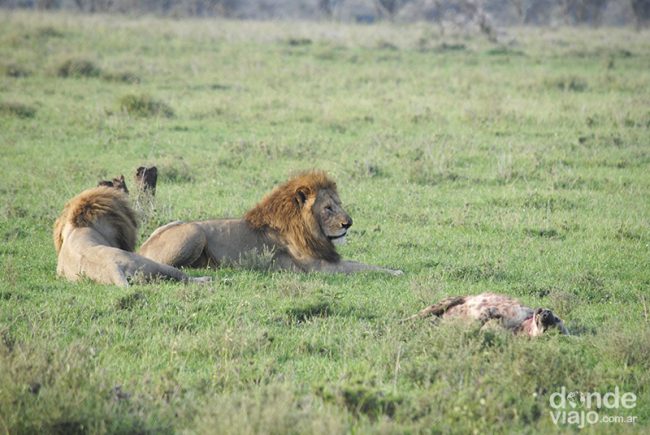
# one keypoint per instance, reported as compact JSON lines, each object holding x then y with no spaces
{"x":330,"y":215}
{"x":305,"y":213}
{"x":544,"y":319}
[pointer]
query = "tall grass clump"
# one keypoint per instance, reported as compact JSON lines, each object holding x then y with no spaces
{"x":16,"y":109}
{"x":144,"y":105}
{"x":121,"y":76}
{"x":77,"y":67}
{"x":14,"y":70}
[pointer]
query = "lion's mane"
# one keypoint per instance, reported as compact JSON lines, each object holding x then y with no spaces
{"x":283,"y":211}
{"x":102,"y":204}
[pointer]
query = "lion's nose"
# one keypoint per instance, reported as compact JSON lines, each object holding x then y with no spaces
{"x":347,"y":224}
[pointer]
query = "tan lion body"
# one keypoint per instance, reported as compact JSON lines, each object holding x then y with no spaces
{"x":94,"y":237}
{"x":298,"y":222}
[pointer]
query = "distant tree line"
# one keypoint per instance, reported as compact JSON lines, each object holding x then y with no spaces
{"x":160,"y":7}
{"x":484,"y":13}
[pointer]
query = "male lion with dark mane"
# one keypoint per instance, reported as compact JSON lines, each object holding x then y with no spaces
{"x":298,"y":222}
{"x":95,"y":237}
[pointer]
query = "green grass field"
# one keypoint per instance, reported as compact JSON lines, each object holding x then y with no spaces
{"x":521,"y":168}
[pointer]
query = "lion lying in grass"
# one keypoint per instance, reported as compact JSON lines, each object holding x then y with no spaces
{"x":298,"y":222}
{"x":487,"y":307}
{"x":95,"y":237}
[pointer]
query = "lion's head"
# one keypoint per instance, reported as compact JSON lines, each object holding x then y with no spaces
{"x":105,"y":209}
{"x":306,"y":212}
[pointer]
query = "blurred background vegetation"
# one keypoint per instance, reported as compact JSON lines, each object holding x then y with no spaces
{"x":485,"y":15}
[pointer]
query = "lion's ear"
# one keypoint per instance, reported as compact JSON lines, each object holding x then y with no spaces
{"x":302,"y":193}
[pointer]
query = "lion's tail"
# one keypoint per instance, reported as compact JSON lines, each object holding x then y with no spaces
{"x":92,"y":205}
{"x":438,"y":309}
